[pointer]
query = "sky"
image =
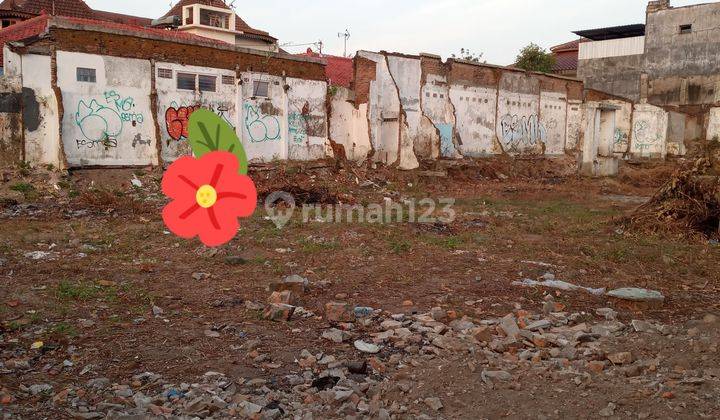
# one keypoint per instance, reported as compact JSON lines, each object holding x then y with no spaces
{"x":496,"y":28}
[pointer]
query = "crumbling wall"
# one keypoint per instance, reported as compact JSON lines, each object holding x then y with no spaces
{"x":263,"y":121}
{"x":349,"y":125}
{"x":175,"y":103}
{"x":107,"y":122}
{"x":420,"y":107}
{"x":307,"y":120}
{"x":713,"y":128}
{"x":649,"y":132}
{"x":11,"y":149}
{"x":41,"y":125}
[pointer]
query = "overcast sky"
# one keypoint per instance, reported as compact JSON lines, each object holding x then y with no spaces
{"x":497,"y":28}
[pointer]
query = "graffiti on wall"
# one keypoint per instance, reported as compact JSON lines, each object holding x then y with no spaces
{"x":620,"y":138}
{"x":517,"y":132}
{"x":101,"y":124}
{"x":297,"y":124}
{"x":643,"y":137}
{"x":177,"y":117}
{"x":259,"y":126}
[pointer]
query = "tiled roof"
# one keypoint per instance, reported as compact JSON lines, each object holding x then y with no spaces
{"x":22,"y":30}
{"x":564,"y":62}
{"x":74,"y":8}
{"x":240,"y":25}
{"x":339,"y":70}
{"x":121,"y":18}
{"x":568,"y":46}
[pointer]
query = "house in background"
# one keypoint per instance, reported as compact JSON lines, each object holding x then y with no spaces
{"x":339,"y":70}
{"x":566,"y":58}
{"x":207,"y":18}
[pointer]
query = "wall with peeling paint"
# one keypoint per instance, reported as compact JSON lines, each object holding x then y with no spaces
{"x":108,"y":122}
{"x":713,"y":130}
{"x":263,"y":121}
{"x":41,"y":128}
{"x":649,"y":132}
{"x":307,"y":120}
{"x":420,"y":108}
{"x":175,"y":105}
{"x":349,"y":125}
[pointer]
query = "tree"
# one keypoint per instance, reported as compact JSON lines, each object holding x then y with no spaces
{"x":535,"y":58}
{"x":466,"y":54}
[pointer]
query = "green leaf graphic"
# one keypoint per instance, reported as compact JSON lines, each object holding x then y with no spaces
{"x":210,"y":133}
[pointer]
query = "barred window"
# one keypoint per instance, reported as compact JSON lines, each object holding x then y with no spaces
{"x":186,"y":81}
{"x":86,"y":75}
{"x":261,"y":89}
{"x":228,"y":80}
{"x":165,"y":73}
{"x":207,"y":83}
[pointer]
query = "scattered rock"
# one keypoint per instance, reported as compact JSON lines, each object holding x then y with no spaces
{"x":622,"y":358}
{"x":366,"y":347}
{"x":339,"y":312}
{"x":294,"y":283}
{"x":498,"y":375}
{"x":285,"y":297}
{"x":608,"y":411}
{"x":200,"y":276}
{"x":363,"y":311}
{"x":157,"y":311}
{"x":40,"y":388}
{"x":334,"y":335}
{"x":434,"y":403}
{"x":279,"y":312}
{"x":637,"y":295}
{"x":510,"y":327}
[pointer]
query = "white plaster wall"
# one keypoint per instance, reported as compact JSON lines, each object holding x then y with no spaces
{"x":42,"y":144}
{"x":676,"y":134}
{"x":649,"y":133}
{"x":307,"y":120}
{"x":108,"y":122}
{"x":575,"y":128}
{"x":553,"y":116}
{"x":384,"y":111}
{"x":623,"y":128}
{"x":519,"y":128}
{"x":263,"y":121}
{"x":11,"y":62}
{"x":439,"y":111}
{"x":475,"y":109}
{"x":406,"y":73}
{"x":349,"y":126}
{"x":713,"y":130}
{"x":176,"y":105}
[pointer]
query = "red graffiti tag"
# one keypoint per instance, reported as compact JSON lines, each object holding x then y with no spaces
{"x":176,"y":120}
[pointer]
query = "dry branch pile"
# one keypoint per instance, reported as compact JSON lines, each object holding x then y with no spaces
{"x":688,"y":204}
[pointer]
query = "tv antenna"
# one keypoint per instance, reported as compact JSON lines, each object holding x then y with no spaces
{"x":345,"y":35}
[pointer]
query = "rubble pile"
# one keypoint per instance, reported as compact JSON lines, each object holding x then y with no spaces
{"x":689,"y":203}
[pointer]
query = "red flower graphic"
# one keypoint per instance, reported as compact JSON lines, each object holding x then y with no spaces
{"x":209,"y":195}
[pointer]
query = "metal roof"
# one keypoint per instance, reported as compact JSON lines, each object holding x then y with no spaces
{"x":614,"y":32}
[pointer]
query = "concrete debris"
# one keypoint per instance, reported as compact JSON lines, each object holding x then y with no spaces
{"x":637,"y":295}
{"x":434,"y":403}
{"x":488,"y":376}
{"x":560,"y":285}
{"x":296,"y":284}
{"x":366,"y":347}
{"x":279,"y":312}
{"x":339,"y":312}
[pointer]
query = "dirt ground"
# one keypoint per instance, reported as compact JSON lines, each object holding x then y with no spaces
{"x":106,"y":314}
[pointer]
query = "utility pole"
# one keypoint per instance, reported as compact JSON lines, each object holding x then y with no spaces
{"x":345,"y":35}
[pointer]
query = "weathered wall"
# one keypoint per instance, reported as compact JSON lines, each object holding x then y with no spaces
{"x":263,"y":122}
{"x":174,"y":105}
{"x":307,"y":120}
{"x":649,"y":133}
{"x":616,"y":75}
{"x":713,"y":129}
{"x":682,"y":68}
{"x":422,"y":108}
{"x":40,"y":111}
{"x":109,"y":122}
{"x":11,"y":147}
{"x":349,"y":125}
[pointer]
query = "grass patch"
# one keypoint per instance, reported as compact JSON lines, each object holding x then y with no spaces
{"x":63,"y":328}
{"x":313,"y":246}
{"x":75,"y":291}
{"x":22,"y":187}
{"x":400,"y":246}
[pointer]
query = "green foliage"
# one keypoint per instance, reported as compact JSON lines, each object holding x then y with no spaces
{"x":467,"y":55}
{"x":23,"y":187}
{"x":535,"y":58}
{"x":75,"y":291}
{"x":210,"y":133}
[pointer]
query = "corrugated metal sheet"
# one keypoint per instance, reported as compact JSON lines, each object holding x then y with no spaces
{"x":612,"y":48}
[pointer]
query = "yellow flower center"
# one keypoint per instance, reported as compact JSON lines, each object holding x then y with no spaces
{"x":206,"y":196}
